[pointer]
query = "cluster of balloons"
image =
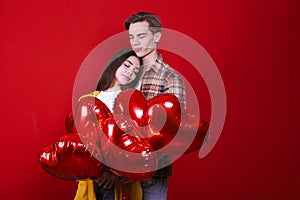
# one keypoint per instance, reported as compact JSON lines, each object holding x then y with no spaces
{"x":125,"y":142}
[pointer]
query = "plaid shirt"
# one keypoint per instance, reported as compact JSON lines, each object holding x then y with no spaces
{"x":160,"y":78}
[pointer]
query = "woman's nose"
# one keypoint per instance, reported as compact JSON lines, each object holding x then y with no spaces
{"x":129,"y":71}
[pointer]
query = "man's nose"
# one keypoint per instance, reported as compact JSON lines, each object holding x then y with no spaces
{"x":135,"y":41}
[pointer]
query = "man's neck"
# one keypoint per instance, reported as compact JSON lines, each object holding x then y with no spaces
{"x":150,"y":59}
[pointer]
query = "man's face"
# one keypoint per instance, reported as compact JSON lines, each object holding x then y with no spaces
{"x":142,"y":40}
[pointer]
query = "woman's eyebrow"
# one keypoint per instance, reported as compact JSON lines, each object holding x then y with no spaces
{"x":129,"y":62}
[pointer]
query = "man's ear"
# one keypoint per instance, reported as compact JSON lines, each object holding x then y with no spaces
{"x":157,"y":36}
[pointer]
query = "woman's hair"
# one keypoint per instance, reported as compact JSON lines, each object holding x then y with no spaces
{"x":152,"y":19}
{"x":108,"y":76}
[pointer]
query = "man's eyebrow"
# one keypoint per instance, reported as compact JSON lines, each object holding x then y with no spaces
{"x":143,"y":33}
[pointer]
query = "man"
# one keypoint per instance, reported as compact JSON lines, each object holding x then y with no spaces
{"x":145,"y":32}
{"x":159,"y":78}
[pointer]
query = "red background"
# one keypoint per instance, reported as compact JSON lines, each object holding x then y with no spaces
{"x":254,"y":44}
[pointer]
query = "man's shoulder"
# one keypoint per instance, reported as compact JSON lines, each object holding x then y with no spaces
{"x":170,"y":71}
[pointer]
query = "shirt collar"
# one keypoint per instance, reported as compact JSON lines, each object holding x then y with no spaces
{"x":158,"y":64}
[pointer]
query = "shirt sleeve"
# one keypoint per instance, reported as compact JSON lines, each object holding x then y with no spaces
{"x":175,"y":86}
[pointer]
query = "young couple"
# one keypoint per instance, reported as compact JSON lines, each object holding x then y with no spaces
{"x":142,"y":68}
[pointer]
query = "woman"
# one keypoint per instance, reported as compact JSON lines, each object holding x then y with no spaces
{"x":123,"y":72}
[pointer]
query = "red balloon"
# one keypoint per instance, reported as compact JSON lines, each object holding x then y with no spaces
{"x":69,"y":123}
{"x":90,"y":116}
{"x":90,"y":109}
{"x":191,"y":126}
{"x":131,"y":103}
{"x":125,"y":142}
{"x":162,"y":115}
{"x":97,"y":127}
{"x":165,"y":119}
{"x":192,"y":123}
{"x":123,"y":149}
{"x":69,"y":159}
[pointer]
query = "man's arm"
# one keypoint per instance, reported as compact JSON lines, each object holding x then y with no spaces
{"x":175,"y":86}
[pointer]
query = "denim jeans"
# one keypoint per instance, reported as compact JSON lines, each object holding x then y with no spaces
{"x":158,"y":191}
{"x":104,"y":194}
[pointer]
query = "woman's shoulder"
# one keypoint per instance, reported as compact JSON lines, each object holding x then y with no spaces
{"x":92,"y":94}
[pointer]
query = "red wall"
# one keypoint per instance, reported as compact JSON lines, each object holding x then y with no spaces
{"x":254,"y":44}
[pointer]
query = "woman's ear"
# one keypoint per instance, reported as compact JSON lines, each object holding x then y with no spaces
{"x":157,"y":36}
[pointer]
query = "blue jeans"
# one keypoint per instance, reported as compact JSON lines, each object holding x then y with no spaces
{"x":104,"y":194}
{"x":158,"y":191}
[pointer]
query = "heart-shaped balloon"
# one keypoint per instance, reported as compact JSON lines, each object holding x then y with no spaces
{"x":125,"y":151}
{"x":89,"y":118}
{"x":97,"y":127}
{"x":127,"y":140}
{"x":131,"y":103}
{"x":90,"y":109}
{"x":69,"y":123}
{"x":69,"y":159}
{"x":165,"y":119}
{"x":190,"y":136}
{"x":164,"y":115}
{"x":189,"y":125}
{"x":161,"y":115}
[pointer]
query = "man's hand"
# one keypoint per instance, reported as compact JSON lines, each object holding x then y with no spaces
{"x":107,"y":180}
{"x":126,"y":181}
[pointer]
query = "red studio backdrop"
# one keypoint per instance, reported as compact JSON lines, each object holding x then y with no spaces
{"x":253,"y":43}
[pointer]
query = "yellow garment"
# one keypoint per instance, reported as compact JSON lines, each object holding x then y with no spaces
{"x":85,"y":190}
{"x":92,"y":94}
{"x":135,"y":190}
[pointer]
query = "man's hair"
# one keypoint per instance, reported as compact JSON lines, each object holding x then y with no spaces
{"x":152,"y":19}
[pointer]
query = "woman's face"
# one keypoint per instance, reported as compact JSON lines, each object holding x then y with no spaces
{"x":128,"y":70}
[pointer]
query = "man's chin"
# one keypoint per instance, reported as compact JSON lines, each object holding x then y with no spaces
{"x":140,"y":54}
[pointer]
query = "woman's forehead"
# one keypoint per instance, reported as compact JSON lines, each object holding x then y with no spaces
{"x":133,"y":60}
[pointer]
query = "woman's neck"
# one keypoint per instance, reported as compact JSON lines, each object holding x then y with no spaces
{"x":115,"y":87}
